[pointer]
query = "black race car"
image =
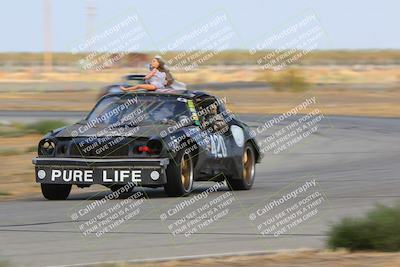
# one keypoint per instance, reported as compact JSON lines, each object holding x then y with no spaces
{"x":165,"y":138}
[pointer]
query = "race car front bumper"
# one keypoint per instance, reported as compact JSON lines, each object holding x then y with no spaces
{"x":143,"y":171}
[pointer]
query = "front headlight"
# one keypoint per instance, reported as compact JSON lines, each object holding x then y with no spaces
{"x":155,"y":146}
{"x":47,"y":147}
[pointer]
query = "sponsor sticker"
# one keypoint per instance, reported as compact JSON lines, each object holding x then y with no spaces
{"x":192,"y":109}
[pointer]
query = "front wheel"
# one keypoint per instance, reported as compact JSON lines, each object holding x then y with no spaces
{"x":56,"y":191}
{"x":246,"y":180}
{"x":179,"y":176}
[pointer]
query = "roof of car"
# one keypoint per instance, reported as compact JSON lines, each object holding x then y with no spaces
{"x":165,"y":92}
{"x":135,"y":76}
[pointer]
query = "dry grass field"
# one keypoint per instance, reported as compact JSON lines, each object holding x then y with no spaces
{"x":17,"y":175}
{"x":354,"y":74}
{"x":380,"y":102}
{"x":285,"y":259}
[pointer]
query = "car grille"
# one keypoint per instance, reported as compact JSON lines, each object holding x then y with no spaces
{"x":114,"y":147}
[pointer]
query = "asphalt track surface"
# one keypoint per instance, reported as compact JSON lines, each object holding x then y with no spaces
{"x":355,"y":162}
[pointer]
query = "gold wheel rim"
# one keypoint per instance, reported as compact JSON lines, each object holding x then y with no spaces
{"x":248,"y":165}
{"x":186,"y":172}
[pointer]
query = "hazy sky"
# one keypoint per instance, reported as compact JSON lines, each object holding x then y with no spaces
{"x":348,"y":24}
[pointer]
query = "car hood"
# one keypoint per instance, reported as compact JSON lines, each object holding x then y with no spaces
{"x":79,"y":130}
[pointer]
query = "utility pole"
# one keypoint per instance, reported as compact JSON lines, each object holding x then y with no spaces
{"x":90,"y":15}
{"x":48,"y":56}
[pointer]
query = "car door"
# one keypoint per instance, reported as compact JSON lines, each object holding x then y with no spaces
{"x":233,"y":136}
{"x":217,"y":149}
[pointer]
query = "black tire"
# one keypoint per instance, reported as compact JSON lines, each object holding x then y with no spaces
{"x":56,"y":191}
{"x":246,"y":180}
{"x":180,"y":176}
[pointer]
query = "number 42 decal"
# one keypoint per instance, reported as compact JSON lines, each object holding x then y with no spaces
{"x":218,"y":147}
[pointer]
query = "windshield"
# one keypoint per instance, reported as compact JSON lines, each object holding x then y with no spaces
{"x":140,"y":109}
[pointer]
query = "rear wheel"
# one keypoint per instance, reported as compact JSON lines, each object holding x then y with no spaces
{"x":56,"y":191}
{"x":248,"y":170}
{"x":179,"y":176}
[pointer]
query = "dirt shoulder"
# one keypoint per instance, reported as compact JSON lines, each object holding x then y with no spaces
{"x":346,"y":102}
{"x":17,"y":178}
{"x":285,"y":259}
